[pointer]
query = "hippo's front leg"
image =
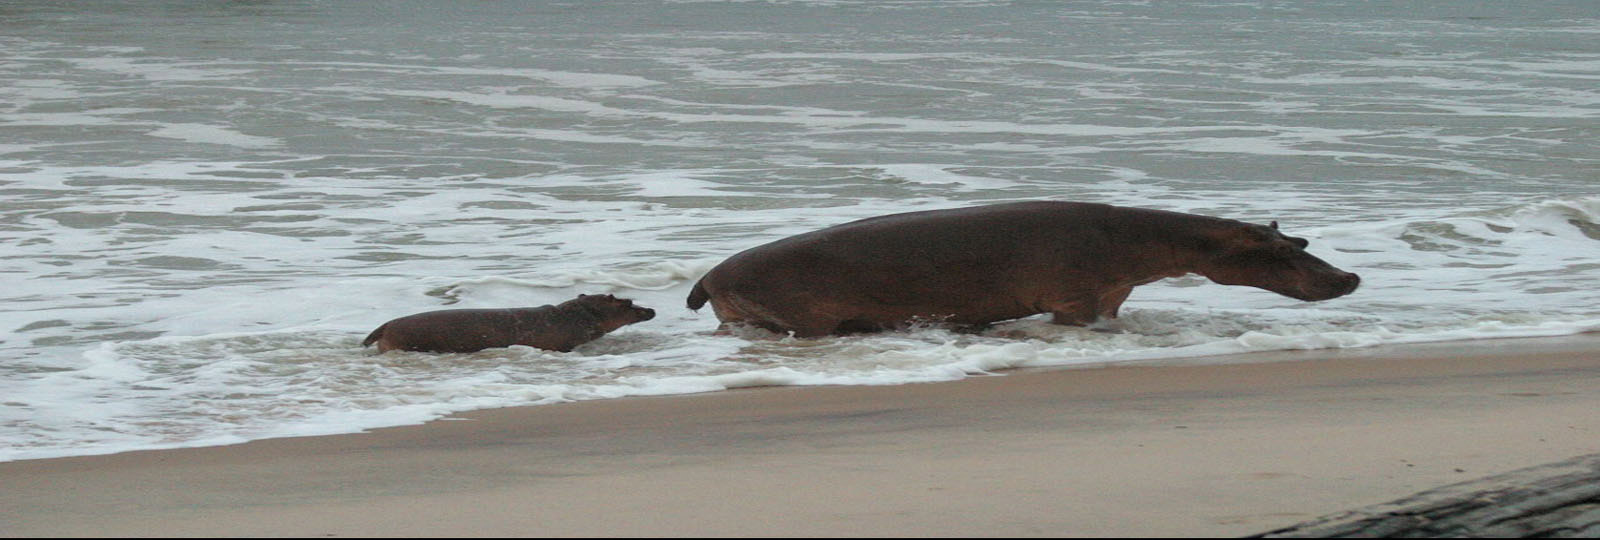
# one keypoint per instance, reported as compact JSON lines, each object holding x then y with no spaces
{"x":1090,"y":307}
{"x":1080,"y":311}
{"x":1111,"y":301}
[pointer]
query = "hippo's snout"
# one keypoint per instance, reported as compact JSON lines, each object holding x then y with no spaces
{"x":1335,"y":286}
{"x":1351,"y":281}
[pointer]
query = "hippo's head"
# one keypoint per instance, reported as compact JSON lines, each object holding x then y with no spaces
{"x":1262,"y":257}
{"x":613,"y":312}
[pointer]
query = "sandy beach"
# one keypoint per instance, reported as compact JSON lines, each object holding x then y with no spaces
{"x":1235,"y":446}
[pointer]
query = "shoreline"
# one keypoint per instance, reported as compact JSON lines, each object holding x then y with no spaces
{"x":1227,"y":445}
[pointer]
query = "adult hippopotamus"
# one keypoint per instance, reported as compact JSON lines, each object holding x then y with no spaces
{"x":979,"y":265}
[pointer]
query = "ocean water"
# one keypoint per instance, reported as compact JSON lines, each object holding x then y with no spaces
{"x":204,"y":206}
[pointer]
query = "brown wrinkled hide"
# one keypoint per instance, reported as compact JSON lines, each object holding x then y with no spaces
{"x":974,"y":266}
{"x":558,"y":328}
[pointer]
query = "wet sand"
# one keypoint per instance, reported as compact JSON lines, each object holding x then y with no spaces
{"x":1236,"y":446}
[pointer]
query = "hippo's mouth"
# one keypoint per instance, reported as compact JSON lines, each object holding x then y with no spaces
{"x":1328,"y":290}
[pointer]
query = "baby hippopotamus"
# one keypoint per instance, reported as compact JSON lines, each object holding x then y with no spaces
{"x":558,"y":328}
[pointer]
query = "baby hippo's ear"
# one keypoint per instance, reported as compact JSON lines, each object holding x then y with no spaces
{"x":1300,"y":242}
{"x":1259,"y":234}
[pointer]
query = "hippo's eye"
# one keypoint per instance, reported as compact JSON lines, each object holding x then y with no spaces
{"x":1285,"y":249}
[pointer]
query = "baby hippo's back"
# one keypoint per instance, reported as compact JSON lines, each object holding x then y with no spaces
{"x":559,"y":328}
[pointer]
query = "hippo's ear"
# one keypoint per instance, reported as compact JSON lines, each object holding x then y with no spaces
{"x":1258,"y":233}
{"x":1298,"y":242}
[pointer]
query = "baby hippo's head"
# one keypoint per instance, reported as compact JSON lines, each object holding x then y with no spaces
{"x":612,"y":312}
